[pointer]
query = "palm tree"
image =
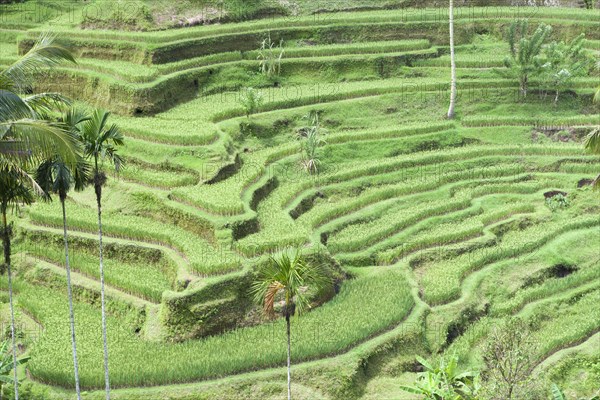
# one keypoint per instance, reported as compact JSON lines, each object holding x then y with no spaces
{"x":99,"y":143}
{"x":287,"y":277}
{"x":55,"y":176}
{"x":453,"y":64}
{"x":13,"y":191}
{"x":26,"y":135}
{"x":7,"y":366}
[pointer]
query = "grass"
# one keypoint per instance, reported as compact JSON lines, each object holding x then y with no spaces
{"x":147,"y":83}
{"x":145,"y":280}
{"x":452,"y":212}
{"x":140,"y":363}
{"x":441,"y":280}
{"x":203,"y":257}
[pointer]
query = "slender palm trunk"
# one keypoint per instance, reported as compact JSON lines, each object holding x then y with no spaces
{"x":98,"y":189}
{"x":70,"y":294}
{"x":289,"y":357}
{"x":6,"y":238}
{"x":453,"y":91}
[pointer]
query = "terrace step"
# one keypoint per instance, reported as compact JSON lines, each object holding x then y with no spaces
{"x":472,"y":282}
{"x":588,"y":346}
{"x":147,"y":73}
{"x":86,"y":282}
{"x":180,"y":261}
{"x":389,"y":242}
{"x":504,"y":253}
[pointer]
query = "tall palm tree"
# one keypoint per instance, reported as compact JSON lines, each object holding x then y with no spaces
{"x":453,"y":64}
{"x":13,"y":191}
{"x":99,"y":144}
{"x":55,"y":176}
{"x":287,"y":277}
{"x":26,"y":134}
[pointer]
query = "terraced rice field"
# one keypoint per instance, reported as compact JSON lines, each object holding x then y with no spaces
{"x":427,"y":217}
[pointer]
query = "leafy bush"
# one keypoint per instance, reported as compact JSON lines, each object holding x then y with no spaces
{"x":6,"y":364}
{"x":27,"y":391}
{"x":590,"y":4}
{"x":509,"y":356}
{"x":444,"y":381}
{"x":251,"y":100}
{"x":563,"y":62}
{"x":558,"y":202}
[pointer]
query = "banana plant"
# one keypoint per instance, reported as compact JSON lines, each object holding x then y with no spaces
{"x":445,"y":382}
{"x":7,"y":365}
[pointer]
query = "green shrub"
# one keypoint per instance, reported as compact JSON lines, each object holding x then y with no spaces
{"x":444,"y":381}
{"x":558,"y":202}
{"x":590,"y":4}
{"x":251,"y":100}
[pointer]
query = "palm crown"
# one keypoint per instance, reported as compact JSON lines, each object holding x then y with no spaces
{"x":100,"y":139}
{"x":54,"y":175}
{"x":288,"y":275}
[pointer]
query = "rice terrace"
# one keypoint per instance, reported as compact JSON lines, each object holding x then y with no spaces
{"x":300,"y":199}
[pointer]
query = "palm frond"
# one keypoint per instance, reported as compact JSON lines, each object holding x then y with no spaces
{"x":30,"y":140}
{"x":54,"y":175}
{"x":43,"y":177}
{"x":290,"y":274}
{"x":82,"y":175}
{"x":74,"y":117}
{"x":44,"y":53}
{"x":592,"y":142}
{"x":269,"y":297}
{"x":28,"y":181}
{"x":99,"y":140}
{"x":14,"y":190}
{"x":43,"y":103}
{"x":6,"y":83}
{"x":13,"y":107}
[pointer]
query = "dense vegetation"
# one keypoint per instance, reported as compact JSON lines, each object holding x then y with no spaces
{"x":239,"y":132}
